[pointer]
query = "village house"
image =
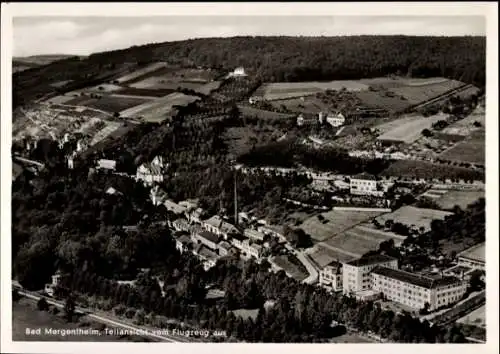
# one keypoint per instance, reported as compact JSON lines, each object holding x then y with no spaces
{"x":224,"y":248}
{"x":254,"y":234}
{"x":219,"y":227}
{"x":151,"y":172}
{"x":196,"y":216}
{"x":183,"y":243}
{"x":174,"y":207}
{"x":181,"y":224}
{"x":366,"y":184}
{"x":273,"y":230}
{"x":330,"y":277}
{"x":104,"y":164}
{"x":158,"y":196}
{"x":207,"y":238}
{"x":237,"y":241}
{"x":335,"y":120}
{"x":206,"y":255}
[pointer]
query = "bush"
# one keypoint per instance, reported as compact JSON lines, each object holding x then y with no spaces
{"x":54,"y":310}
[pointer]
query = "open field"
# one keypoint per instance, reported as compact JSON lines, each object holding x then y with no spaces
{"x":291,"y":266}
{"x":159,"y":109}
{"x":108,"y":103}
{"x":170,"y":78}
{"x":322,"y":256}
{"x":466,"y":126}
{"x":207,"y":88}
{"x":335,"y":222}
{"x":476,"y":317}
{"x":241,"y":139}
{"x":351,"y":338}
{"x":310,"y":104}
{"x":284,"y":90}
{"x":409,"y":215}
{"x":62,"y":99}
{"x":381,"y":100}
{"x":419,"y":93}
{"x":26,"y":315}
{"x":408,"y":131}
{"x":138,"y":73}
{"x":471,"y":150}
{"x":448,"y":199}
{"x":428,"y":170}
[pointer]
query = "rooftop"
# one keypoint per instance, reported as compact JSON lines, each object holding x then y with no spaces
{"x":476,"y":253}
{"x":370,"y":260}
{"x":365,"y":176}
{"x":174,"y":207}
{"x":415,"y":279}
{"x":210,"y":236}
{"x":184,"y":239}
{"x":207,"y":254}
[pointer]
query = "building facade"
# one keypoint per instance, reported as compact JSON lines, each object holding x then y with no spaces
{"x":330,"y":277}
{"x":356,"y":274}
{"x":417,"y":291}
{"x":365,"y":184}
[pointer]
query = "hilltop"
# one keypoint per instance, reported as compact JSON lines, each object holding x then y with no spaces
{"x":275,"y":59}
{"x":34,"y":61}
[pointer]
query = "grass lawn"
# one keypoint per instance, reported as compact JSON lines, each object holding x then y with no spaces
{"x":409,"y":215}
{"x":26,"y":315}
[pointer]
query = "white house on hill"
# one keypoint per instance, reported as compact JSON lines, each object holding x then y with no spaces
{"x":151,"y":172}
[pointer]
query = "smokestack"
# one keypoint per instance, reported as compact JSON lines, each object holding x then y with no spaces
{"x":235,"y":201}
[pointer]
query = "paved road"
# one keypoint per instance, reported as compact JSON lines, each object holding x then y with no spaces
{"x":142,"y":331}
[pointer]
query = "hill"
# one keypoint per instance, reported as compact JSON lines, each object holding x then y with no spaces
{"x":279,"y":59}
{"x":34,"y":61}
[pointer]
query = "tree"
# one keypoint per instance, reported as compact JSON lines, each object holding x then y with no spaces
{"x":42,"y":304}
{"x":298,"y":238}
{"x":69,"y":308}
{"x":427,"y":133}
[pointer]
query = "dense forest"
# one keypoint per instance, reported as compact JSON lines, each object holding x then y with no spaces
{"x":278,"y":59}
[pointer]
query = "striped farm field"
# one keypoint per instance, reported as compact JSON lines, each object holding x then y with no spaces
{"x":141,"y":72}
{"x":284,"y":90}
{"x":420,"y":93}
{"x":410,"y":215}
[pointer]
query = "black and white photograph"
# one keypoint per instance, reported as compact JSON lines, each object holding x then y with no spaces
{"x":243,"y":176}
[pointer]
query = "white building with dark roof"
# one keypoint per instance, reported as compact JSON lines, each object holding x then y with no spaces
{"x":104,"y":164}
{"x":330,"y":277}
{"x":152,"y":172}
{"x":219,"y":226}
{"x":473,"y":257}
{"x":356,"y":274}
{"x":366,"y":184}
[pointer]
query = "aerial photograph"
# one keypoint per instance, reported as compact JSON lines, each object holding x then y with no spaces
{"x":248,"y":179}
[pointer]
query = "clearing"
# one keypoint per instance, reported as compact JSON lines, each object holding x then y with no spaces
{"x":410,"y":215}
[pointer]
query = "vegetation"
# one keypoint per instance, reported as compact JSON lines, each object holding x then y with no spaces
{"x":274,"y":59}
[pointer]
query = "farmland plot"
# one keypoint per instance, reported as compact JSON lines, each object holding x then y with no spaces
{"x":322,"y":256}
{"x":141,"y":72}
{"x":471,"y":150}
{"x":172,"y":79}
{"x":284,"y":90}
{"x":466,"y":126}
{"x":410,"y":130}
{"x":417,"y":94}
{"x":447,"y":199}
{"x":108,"y":103}
{"x":335,"y":222}
{"x":428,"y":170}
{"x":410,"y":215}
{"x":159,"y":109}
{"x":381,"y":100}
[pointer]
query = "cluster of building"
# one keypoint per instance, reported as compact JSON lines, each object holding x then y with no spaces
{"x":377,"y":276}
{"x":333,"y":119}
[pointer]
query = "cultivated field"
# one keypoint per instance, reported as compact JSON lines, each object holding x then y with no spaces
{"x":447,"y":199}
{"x":241,"y":139}
{"x":263,"y":114}
{"x":109,"y":103}
{"x":476,"y":317}
{"x":310,"y":104}
{"x":380,"y":99}
{"x":207,"y":88}
{"x":159,"y":109}
{"x":408,"y":131}
{"x":428,"y":170}
{"x":284,"y":90}
{"x":322,"y":256}
{"x":409,"y":215}
{"x":335,"y":222}
{"x":471,"y":150}
{"x":419,"y":93}
{"x":170,"y":78}
{"x":141,"y":72}
{"x":60,"y":99}
{"x":466,"y":126}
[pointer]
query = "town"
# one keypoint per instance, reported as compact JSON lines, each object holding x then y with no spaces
{"x":168,"y":193}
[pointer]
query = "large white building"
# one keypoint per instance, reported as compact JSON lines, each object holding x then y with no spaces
{"x":335,"y":120}
{"x":366,"y":184}
{"x":416,"y":291}
{"x":330,"y":277}
{"x":356,"y":274}
{"x":152,"y":172}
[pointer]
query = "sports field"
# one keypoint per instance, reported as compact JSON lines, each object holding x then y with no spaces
{"x":410,"y":215}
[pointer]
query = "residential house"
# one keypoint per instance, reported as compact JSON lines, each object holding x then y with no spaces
{"x":239,"y":72}
{"x":174,"y":207}
{"x":330,"y":277}
{"x":219,"y":226}
{"x":207,"y":238}
{"x":416,"y":291}
{"x":152,"y":172}
{"x":196,"y":216}
{"x":181,"y":224}
{"x":183,"y":243}
{"x":158,"y":196}
{"x":190,"y":204}
{"x":237,"y":241}
{"x":366,"y":184}
{"x":208,"y":256}
{"x":254,"y":234}
{"x":224,"y":248}
{"x":356,"y":274}
{"x":104,"y":164}
{"x":335,"y":120}
{"x":274,"y":231}
{"x":247,"y":247}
